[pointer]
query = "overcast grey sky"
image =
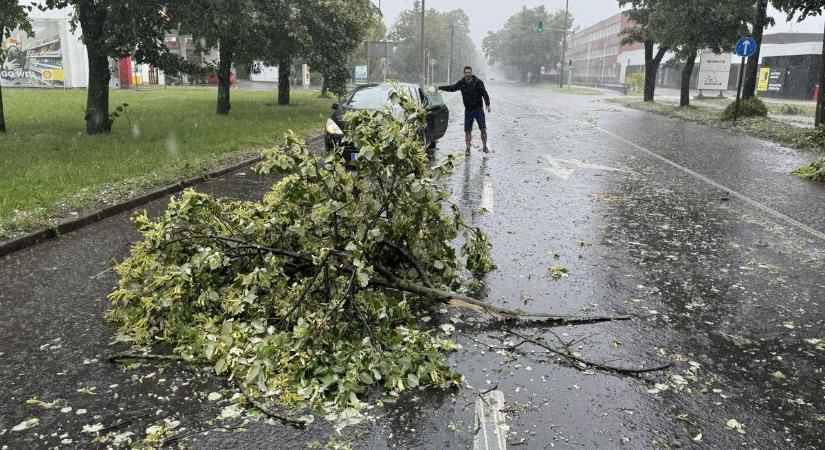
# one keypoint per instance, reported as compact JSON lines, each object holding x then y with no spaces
{"x":490,"y":15}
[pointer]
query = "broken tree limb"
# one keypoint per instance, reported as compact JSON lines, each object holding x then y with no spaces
{"x":463,"y":301}
{"x":595,"y":365}
{"x":148,"y":356}
{"x":454,"y":299}
{"x":297,"y":422}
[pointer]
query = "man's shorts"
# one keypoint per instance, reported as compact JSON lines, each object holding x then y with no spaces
{"x":476,"y":114}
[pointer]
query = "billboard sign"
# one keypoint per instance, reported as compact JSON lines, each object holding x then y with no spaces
{"x":775,"y":80}
{"x":714,"y":71}
{"x":34,"y":61}
{"x":360,"y":75}
{"x":764,"y":78}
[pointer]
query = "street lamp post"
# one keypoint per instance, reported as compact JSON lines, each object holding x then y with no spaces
{"x":564,"y":43}
{"x":423,"y":50}
{"x":450,"y":63}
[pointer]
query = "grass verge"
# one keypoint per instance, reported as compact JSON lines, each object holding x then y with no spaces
{"x":761,"y":127}
{"x":50,"y":168}
{"x":572,"y":90}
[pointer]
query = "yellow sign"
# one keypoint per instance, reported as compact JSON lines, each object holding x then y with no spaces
{"x":764,"y":77}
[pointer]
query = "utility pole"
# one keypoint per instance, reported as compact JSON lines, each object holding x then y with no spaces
{"x":450,"y":64}
{"x":564,"y":42}
{"x":423,"y":50}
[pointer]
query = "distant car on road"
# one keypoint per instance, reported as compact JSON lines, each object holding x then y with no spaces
{"x":373,"y":97}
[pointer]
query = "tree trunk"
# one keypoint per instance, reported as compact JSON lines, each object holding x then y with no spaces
{"x":2,"y":115}
{"x":820,"y":101}
{"x":324,"y":87}
{"x":752,"y":70}
{"x":224,"y":74}
{"x":283,"y":81}
{"x":97,"y":98}
{"x":652,"y":68}
{"x":92,"y":18}
{"x":687,"y":71}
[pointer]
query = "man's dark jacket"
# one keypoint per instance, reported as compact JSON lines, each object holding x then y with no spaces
{"x":473,"y":92}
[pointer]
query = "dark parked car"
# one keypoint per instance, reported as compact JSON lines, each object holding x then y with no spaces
{"x":374,"y":97}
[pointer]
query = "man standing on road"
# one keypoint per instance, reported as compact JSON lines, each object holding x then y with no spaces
{"x":473,"y":92}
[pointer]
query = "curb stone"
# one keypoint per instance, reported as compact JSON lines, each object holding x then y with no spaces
{"x":67,"y":226}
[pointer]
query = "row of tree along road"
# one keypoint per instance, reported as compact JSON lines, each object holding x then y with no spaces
{"x":274,"y":32}
{"x":688,"y":27}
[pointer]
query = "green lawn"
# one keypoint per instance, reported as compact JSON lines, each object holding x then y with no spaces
{"x":572,"y":90}
{"x":49,"y":166}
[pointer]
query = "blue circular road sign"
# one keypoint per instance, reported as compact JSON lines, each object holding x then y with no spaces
{"x":746,"y":47}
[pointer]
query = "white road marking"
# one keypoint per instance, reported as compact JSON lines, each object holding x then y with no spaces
{"x":490,"y":426}
{"x":488,"y":201}
{"x":557,"y":170}
{"x":583,"y":165}
{"x":744,"y":198}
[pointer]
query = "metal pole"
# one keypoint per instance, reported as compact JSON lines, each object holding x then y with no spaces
{"x":423,"y":50}
{"x":386,"y":58}
{"x":739,"y":89}
{"x":564,"y":43}
{"x":450,"y":66}
{"x":570,"y":73}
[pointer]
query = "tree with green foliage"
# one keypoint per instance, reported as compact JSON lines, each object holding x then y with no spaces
{"x":225,"y":25}
{"x":285,"y":33}
{"x":12,"y":16}
{"x":525,"y":47}
{"x":336,"y":32}
{"x":802,"y":9}
{"x":639,"y":12}
{"x":406,"y":33}
{"x":690,"y":26}
{"x":117,"y":29}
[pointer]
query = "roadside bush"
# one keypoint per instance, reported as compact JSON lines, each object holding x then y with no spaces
{"x":790,"y":109}
{"x":751,"y":107}
{"x":814,"y":171}
{"x":635,"y":82}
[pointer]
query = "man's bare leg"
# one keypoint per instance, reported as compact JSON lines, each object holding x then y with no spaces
{"x":484,"y":140}
{"x":468,"y":137}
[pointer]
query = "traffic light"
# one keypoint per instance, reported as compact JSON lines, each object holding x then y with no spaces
{"x":541,"y":26}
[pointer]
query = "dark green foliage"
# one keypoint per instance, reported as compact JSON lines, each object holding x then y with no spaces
{"x":518,"y":46}
{"x":749,"y":107}
{"x":406,"y":33}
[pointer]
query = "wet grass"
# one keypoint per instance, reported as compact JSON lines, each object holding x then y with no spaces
{"x":49,"y":167}
{"x":761,"y":127}
{"x":572,"y":90}
{"x":788,"y":108}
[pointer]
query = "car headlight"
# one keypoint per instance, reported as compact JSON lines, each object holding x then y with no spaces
{"x":333,"y":128}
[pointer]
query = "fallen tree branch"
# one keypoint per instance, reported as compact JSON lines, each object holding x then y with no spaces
{"x":147,"y":356}
{"x":126,"y":422}
{"x":463,"y":301}
{"x":595,"y":365}
{"x":297,"y":422}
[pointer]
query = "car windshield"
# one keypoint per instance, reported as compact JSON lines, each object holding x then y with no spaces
{"x":373,"y":97}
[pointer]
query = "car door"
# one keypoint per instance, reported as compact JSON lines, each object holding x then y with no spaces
{"x":438,"y":115}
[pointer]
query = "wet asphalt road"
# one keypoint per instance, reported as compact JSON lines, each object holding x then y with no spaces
{"x":699,"y":234}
